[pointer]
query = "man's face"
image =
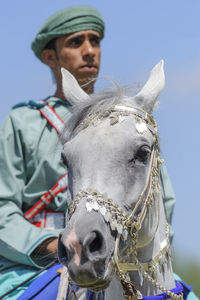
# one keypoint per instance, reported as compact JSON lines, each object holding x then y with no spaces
{"x":79,"y":53}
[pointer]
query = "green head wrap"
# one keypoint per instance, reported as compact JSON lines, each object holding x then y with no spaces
{"x":66,"y":21}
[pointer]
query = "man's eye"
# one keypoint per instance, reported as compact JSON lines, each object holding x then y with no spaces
{"x":95,"y":41}
{"x":74,"y":43}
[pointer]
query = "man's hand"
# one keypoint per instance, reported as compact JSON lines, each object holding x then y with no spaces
{"x":52,"y":246}
{"x":46,"y":251}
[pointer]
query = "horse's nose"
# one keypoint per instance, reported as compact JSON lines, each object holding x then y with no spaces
{"x":94,"y":246}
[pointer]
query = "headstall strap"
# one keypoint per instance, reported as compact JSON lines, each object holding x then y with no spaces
{"x":130,"y":224}
{"x":140,"y":114}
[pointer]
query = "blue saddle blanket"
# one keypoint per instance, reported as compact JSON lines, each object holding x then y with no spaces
{"x":46,"y":287}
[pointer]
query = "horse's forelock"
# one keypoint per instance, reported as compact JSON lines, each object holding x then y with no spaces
{"x":96,"y":104}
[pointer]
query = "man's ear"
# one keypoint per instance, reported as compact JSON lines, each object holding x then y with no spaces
{"x":49,"y":58}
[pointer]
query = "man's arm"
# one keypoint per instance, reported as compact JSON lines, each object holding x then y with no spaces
{"x":18,"y":238}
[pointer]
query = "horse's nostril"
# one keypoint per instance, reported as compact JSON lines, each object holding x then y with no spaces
{"x":96,"y":243}
{"x":94,"y":246}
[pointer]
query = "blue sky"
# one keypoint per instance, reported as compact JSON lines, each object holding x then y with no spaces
{"x":138,"y":34}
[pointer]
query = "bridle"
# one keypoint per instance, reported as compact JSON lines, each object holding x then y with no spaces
{"x":129,"y":225}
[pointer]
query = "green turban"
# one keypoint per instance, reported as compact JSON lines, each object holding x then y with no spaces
{"x":66,"y":21}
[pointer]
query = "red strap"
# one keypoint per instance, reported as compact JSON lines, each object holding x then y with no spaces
{"x":60,"y":186}
{"x":52,"y":117}
{"x":56,"y":122}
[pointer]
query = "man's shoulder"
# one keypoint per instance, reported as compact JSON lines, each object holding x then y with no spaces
{"x":32,"y":111}
{"x":25,"y":113}
{"x":33,"y":104}
{"x":37,"y":104}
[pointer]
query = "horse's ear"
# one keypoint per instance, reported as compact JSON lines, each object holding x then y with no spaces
{"x":71,"y":89}
{"x":148,"y":95}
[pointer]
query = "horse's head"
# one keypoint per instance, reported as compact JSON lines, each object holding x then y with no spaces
{"x":112,"y":160}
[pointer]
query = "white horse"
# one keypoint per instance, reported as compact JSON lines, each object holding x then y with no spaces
{"x":117,"y":234}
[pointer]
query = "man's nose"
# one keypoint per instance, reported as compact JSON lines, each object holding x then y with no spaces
{"x":87,"y":49}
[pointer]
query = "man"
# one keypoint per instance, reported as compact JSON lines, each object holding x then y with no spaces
{"x":29,"y":155}
{"x":31,"y":171}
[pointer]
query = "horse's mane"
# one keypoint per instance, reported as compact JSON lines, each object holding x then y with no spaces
{"x":98,"y":103}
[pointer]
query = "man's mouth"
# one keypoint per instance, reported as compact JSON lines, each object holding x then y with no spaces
{"x":89,"y":68}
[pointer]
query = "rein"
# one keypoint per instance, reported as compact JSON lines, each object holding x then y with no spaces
{"x":129,"y":225}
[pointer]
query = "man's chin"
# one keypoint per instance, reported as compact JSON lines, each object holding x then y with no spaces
{"x":87,"y":82}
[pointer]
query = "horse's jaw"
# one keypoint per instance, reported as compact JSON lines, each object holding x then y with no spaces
{"x":158,"y":247}
{"x":153,"y":250}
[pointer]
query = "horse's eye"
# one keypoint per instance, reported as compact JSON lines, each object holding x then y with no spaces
{"x":143,"y":153}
